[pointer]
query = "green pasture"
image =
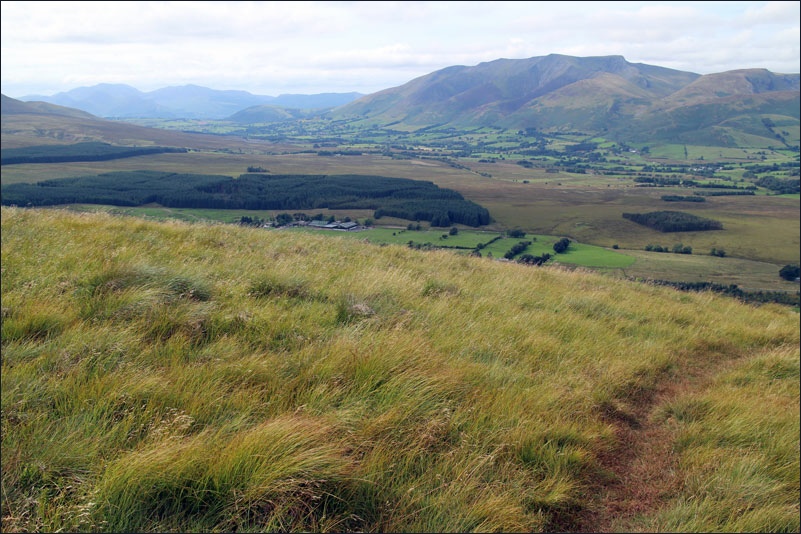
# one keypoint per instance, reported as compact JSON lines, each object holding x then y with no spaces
{"x":191,"y":125}
{"x":584,"y":255}
{"x":762,"y":228}
{"x":162,"y":213}
{"x":752,"y":149}
{"x":436,"y":237}
{"x":578,"y":254}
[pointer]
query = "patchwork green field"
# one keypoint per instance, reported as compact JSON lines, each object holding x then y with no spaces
{"x":547,"y":198}
{"x":465,"y":241}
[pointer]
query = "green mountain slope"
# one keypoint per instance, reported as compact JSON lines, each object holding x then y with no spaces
{"x":38,"y":123}
{"x":12,"y":106}
{"x":597,"y":95}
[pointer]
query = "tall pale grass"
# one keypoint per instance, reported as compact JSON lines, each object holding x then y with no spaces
{"x":166,"y":376}
{"x":738,"y":446}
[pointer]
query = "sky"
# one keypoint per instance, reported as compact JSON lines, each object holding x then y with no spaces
{"x":274,"y":48}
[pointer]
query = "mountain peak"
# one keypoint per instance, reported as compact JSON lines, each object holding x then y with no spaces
{"x":559,"y":92}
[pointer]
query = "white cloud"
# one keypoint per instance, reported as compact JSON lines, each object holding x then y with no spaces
{"x":309,"y":47}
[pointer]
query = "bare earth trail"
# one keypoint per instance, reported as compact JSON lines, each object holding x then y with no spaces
{"x":643,"y":469}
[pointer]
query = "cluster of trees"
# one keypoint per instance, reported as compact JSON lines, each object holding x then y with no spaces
{"x":673,"y":221}
{"x":728,"y":189}
{"x":664,"y":181}
{"x":780,"y":186}
{"x":516,"y":249}
{"x":420,"y":246}
{"x":246,"y":220}
{"x":440,"y":213}
{"x":678,"y":248}
{"x":283,"y":219}
{"x":89,"y":151}
{"x":790,"y":272}
{"x":754,"y":169}
{"x":415,"y":200}
{"x":679,"y":198}
{"x":123,"y":188}
{"x":727,"y":193}
{"x":530,"y":259}
{"x":581,"y":147}
{"x":719,"y":252}
{"x":561,"y":245}
{"x":725,"y":186}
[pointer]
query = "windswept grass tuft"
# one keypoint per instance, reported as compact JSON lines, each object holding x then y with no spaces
{"x":273,"y":286}
{"x":34,"y":326}
{"x":277,"y":475}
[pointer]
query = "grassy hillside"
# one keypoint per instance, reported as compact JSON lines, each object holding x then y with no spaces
{"x":27,"y":124}
{"x":162,"y":376}
{"x":12,"y":106}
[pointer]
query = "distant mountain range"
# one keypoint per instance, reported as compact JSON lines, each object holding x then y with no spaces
{"x":38,"y":123}
{"x":605,"y":96}
{"x":182,"y":102}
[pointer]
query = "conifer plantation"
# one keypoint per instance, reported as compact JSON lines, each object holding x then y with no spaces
{"x":175,"y":377}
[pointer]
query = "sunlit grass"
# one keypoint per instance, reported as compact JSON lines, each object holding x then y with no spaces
{"x":176,"y":377}
{"x":739,"y":451}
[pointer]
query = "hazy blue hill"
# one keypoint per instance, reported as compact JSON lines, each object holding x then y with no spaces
{"x":316,"y":101}
{"x":186,"y":101}
{"x":196,"y":102}
{"x":291,"y":107}
{"x":265,"y":114}
{"x":105,"y":100}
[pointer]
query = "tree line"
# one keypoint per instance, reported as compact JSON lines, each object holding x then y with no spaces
{"x":89,"y":151}
{"x":673,"y":221}
{"x":415,"y":200}
{"x":680,"y":198}
{"x":780,"y":186}
{"x":778,"y":297}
